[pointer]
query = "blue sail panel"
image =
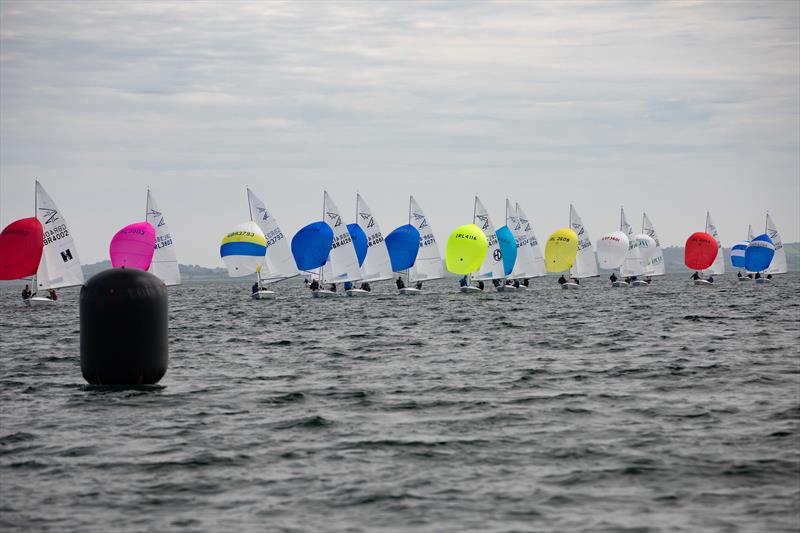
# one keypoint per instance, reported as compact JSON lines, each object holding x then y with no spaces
{"x":508,"y":247}
{"x":311,"y":245}
{"x":759,"y":254}
{"x":737,"y":254}
{"x":403,"y":245}
{"x":359,"y":241}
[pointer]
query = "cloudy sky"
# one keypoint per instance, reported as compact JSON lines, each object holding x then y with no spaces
{"x":670,"y":108}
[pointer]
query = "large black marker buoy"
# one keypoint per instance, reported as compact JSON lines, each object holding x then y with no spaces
{"x":124,"y":328}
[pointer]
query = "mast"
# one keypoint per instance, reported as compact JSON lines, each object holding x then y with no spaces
{"x":323,"y":219}
{"x":36,"y":215}
{"x":249,"y":210}
{"x":408,"y":270}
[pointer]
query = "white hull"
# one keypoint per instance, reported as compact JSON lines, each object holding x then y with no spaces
{"x":469,"y":289}
{"x":263,"y":295}
{"x":38,"y":301}
{"x":324,"y":293}
{"x":702,"y":282}
{"x":506,"y":288}
{"x":570,"y":285}
{"x":357,"y":292}
{"x":745,"y":279}
{"x":763,"y":280}
{"x":639,"y":283}
{"x":619,"y":284}
{"x":410,"y":290}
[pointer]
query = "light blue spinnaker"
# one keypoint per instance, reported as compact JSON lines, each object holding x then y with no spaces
{"x":508,"y":247}
{"x":403,"y":246}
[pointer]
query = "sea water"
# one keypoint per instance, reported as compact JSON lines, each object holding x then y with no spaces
{"x":662,"y":408}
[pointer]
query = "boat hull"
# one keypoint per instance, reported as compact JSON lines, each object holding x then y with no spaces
{"x":639,"y":283}
{"x":506,"y":288}
{"x":763,"y":280}
{"x":745,"y":279}
{"x":469,"y":289}
{"x":39,"y":301}
{"x":323,"y":293}
{"x":357,"y":292}
{"x":570,"y":285}
{"x":702,"y":282}
{"x":410,"y":291}
{"x":619,"y":284}
{"x":263,"y":295}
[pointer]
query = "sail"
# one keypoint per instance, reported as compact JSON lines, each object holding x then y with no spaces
{"x":508,"y":247}
{"x":165,"y":260}
{"x":60,"y":265}
{"x":133,"y":246}
{"x":525,"y":265}
{"x":657,"y":265}
{"x":647,"y":250}
{"x":279,"y":263}
{"x":403,"y":246}
{"x":20,"y":248}
{"x":737,"y":254}
{"x":377,"y":265}
{"x":342,"y":262}
{"x":633,"y":264}
{"x":561,"y":250}
{"x":428,"y":265}
{"x":492,"y":267}
{"x":759,"y":254}
{"x":466,"y":249}
{"x":718,"y":267}
{"x":778,"y":265}
{"x":539,"y":268}
{"x":311,"y":245}
{"x":585,"y":262}
{"x":359,"y":242}
{"x":612,"y":249}
{"x":243,"y":249}
{"x":750,"y":234}
{"x":700,"y":251}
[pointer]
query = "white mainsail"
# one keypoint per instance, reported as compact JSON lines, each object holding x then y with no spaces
{"x":585,"y":262}
{"x":657,"y":265}
{"x":59,"y":266}
{"x":750,"y":234}
{"x":342,"y":262}
{"x":428,"y":265}
{"x":492,"y":267}
{"x":718,"y":266}
{"x":525,"y":264}
{"x":165,"y":260}
{"x":539,"y":267}
{"x":633,"y":264}
{"x":377,"y":266}
{"x":778,"y":264}
{"x":279,"y":263}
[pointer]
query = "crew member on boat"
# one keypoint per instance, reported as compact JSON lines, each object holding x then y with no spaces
{"x":400,"y":283}
{"x":26,"y":292}
{"x":51,"y":293}
{"x":613,"y":277}
{"x":365,"y":286}
{"x":314,"y":285}
{"x":419,"y":285}
{"x":696,"y":276}
{"x":576,"y":281}
{"x":254,"y":289}
{"x":562,"y":280}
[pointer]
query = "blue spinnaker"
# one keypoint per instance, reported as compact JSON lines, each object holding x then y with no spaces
{"x":508,"y":247}
{"x":403,"y":245}
{"x":359,"y":241}
{"x":311,"y":245}
{"x":737,"y":254}
{"x":759,"y":254}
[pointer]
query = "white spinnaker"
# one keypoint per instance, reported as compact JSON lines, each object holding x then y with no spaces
{"x":633,"y":264}
{"x":428,"y":265}
{"x":524,"y":266}
{"x":585,"y":262}
{"x":165,"y":259}
{"x":377,"y":266}
{"x":492,"y":267}
{"x":342,"y":262}
{"x":778,"y":264}
{"x":59,"y":266}
{"x":539,"y":268}
{"x":657,"y":265}
{"x":279,"y":263}
{"x":718,"y":266}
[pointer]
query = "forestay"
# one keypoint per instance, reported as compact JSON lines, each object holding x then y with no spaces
{"x":377,"y":265}
{"x":60,"y":265}
{"x":718,"y":266}
{"x":165,"y":259}
{"x":778,"y":264}
{"x":492,"y":266}
{"x":585,"y":262}
{"x":657,"y":265}
{"x":539,"y":268}
{"x":428,"y":265}
{"x":279,"y":263}
{"x":342,"y":262}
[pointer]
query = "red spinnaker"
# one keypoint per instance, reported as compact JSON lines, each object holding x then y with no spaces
{"x":700,"y":252}
{"x":21,"y":244}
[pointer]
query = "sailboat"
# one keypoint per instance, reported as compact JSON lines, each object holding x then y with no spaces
{"x":633,"y":265}
{"x":657,"y":267}
{"x":466,"y":251}
{"x":492,"y":267}
{"x":165,"y":260}
{"x":585,"y":265}
{"x":376,"y":265}
{"x":342,"y":263}
{"x":539,"y":269}
{"x":738,"y":252}
{"x":778,"y":265}
{"x":428,"y":263}
{"x":59,"y":267}
{"x":524,"y":264}
{"x":278,"y":263}
{"x":718,"y":266}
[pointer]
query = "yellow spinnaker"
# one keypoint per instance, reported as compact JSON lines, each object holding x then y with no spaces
{"x":466,"y":249}
{"x":561,"y":249}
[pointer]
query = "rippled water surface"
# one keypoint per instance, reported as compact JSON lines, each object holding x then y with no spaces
{"x":664,"y":408}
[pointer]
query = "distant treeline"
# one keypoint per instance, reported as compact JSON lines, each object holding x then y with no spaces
{"x":187,"y":271}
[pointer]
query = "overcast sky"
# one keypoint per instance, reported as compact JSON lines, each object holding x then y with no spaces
{"x":670,"y":108}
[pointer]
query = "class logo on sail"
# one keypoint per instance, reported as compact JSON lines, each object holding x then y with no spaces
{"x":50,"y":215}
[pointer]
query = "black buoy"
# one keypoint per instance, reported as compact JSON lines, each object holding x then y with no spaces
{"x":124,"y":328}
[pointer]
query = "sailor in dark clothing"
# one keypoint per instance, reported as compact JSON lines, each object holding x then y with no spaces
{"x":26,"y":292}
{"x":758,"y":275}
{"x":711,"y":279}
{"x":527,"y":282}
{"x":738,"y":274}
{"x":480,"y":285}
{"x":51,"y":293}
{"x":516,"y":283}
{"x":400,"y":283}
{"x":576,"y":281}
{"x":613,"y":277}
{"x":419,"y":285}
{"x":254,"y":288}
{"x":562,"y":280}
{"x":496,"y":282}
{"x":314,"y":286}
{"x":365,"y":286}
{"x":348,"y":285}
{"x":463,"y":281}
{"x":696,"y":276}
{"x":769,"y":276}
{"x":333,"y":287}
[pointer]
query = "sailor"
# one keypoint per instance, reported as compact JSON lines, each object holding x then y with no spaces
{"x":463,"y":281}
{"x":26,"y":292}
{"x":254,"y":288}
{"x":516,"y":283}
{"x":562,"y":280}
{"x":481,"y":285}
{"x":419,"y":285}
{"x":527,"y":282}
{"x":696,"y":276}
{"x":750,"y":276}
{"x":399,"y":282}
{"x":738,"y":274}
{"x":576,"y":281}
{"x":613,"y":277}
{"x":769,"y":276}
{"x":365,"y":286}
{"x":314,"y":285}
{"x":348,"y":285}
{"x":51,"y":293}
{"x":496,"y":282}
{"x":305,"y":280}
{"x":758,"y":275}
{"x":647,"y":280}
{"x":711,"y":279}
{"x":333,"y":287}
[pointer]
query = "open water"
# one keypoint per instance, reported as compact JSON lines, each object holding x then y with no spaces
{"x":665,"y":408}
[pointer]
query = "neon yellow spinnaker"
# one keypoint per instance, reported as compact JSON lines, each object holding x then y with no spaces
{"x":466,"y":249}
{"x":561,"y":249}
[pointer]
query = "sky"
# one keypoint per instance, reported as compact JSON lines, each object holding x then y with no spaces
{"x":672,"y":108}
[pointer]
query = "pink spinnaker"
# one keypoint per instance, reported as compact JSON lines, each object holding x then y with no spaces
{"x":133,"y":246}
